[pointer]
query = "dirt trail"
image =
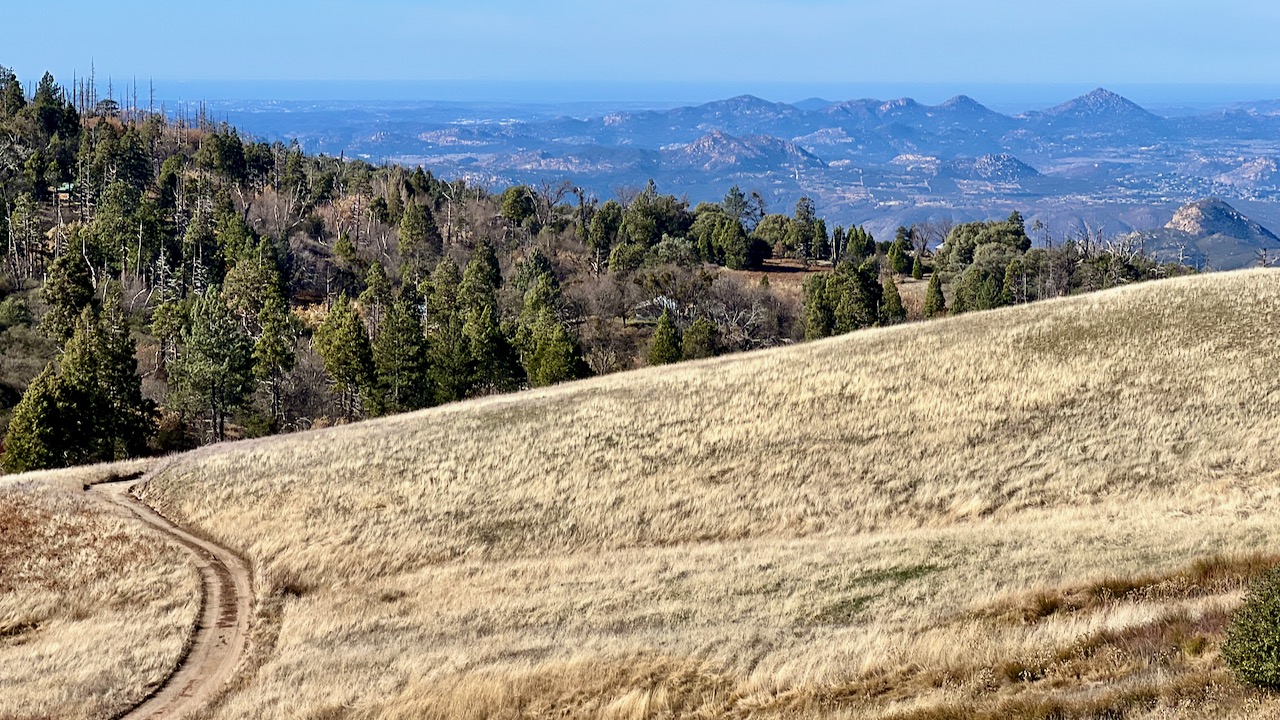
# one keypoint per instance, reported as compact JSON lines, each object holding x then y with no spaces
{"x":222,"y":629}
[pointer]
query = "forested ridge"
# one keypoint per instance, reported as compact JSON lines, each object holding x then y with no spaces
{"x":169,"y":283}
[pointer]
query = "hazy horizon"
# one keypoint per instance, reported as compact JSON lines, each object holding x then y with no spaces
{"x":1003,"y":97}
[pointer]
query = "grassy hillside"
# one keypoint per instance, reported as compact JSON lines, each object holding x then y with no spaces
{"x":95,"y":609}
{"x":1049,"y":508}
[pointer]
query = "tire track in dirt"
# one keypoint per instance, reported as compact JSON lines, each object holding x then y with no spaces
{"x":220,"y":638}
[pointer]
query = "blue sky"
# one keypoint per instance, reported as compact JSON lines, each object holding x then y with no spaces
{"x":766,"y":46}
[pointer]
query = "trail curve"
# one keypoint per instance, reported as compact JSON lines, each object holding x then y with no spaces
{"x":220,"y":639}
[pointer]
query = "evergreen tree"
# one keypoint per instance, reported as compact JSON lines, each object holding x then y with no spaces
{"x":934,"y":301}
{"x":68,"y":291}
{"x":665,"y":347}
{"x":556,"y":356}
{"x":899,"y":260}
{"x":988,"y":295}
{"x":214,"y":369}
{"x":1014,"y":279}
{"x":419,"y":237}
{"x":376,"y":296}
{"x":452,"y":374}
{"x":132,"y":417}
{"x":344,"y":346}
{"x":492,"y":357}
{"x":274,"y":354}
{"x":819,"y":313}
{"x":917,"y":269}
{"x":700,"y":340}
{"x":34,"y":440}
{"x":84,"y":408}
{"x":892,"y":312}
{"x":400,"y":360}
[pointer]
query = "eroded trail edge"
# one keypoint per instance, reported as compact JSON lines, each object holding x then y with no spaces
{"x":220,"y":639}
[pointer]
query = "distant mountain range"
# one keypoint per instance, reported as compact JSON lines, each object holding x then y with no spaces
{"x":1098,"y":162}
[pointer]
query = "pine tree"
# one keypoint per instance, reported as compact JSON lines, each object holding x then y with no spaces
{"x":344,"y":346}
{"x":700,"y":340}
{"x":68,"y":291}
{"x":1013,"y":283}
{"x":665,"y":347}
{"x":376,"y":296}
{"x":214,"y":369}
{"x":917,"y":269}
{"x":899,"y":261}
{"x":84,"y":407}
{"x":274,"y":354}
{"x":492,"y":357}
{"x":452,"y":374}
{"x":892,"y":312}
{"x":132,"y":417}
{"x":988,"y":295}
{"x":556,"y":356}
{"x":400,"y":360}
{"x":934,"y":302}
{"x":35,"y":436}
{"x":419,"y":237}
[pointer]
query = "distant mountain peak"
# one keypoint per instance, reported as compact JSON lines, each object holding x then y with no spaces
{"x":1098,"y":102}
{"x":1211,"y":216}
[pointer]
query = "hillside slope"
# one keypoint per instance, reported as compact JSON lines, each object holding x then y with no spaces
{"x":1045,"y":507}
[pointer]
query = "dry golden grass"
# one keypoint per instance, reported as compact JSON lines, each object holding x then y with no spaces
{"x":94,"y":609}
{"x":1045,"y":511}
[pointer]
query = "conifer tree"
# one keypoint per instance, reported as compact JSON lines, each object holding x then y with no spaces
{"x":274,"y":354}
{"x":344,"y":346}
{"x":892,"y":312}
{"x":493,"y":359}
{"x":35,"y":436}
{"x":934,"y":301}
{"x":917,"y":269}
{"x":132,"y":417}
{"x":451,"y":371}
{"x":400,"y":360}
{"x":376,"y":297}
{"x":68,"y":291}
{"x":419,"y":237}
{"x":665,"y":347}
{"x":214,"y":369}
{"x":556,"y":356}
{"x":700,"y":340}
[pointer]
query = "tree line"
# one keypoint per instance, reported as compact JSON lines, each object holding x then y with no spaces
{"x":167,"y":283}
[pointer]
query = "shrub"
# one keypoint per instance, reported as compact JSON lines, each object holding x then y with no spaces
{"x":1252,"y":647}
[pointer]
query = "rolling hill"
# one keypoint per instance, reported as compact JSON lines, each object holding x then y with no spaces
{"x":1042,"y":511}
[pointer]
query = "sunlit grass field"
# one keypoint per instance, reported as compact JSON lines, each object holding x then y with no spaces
{"x":1046,"y":509}
{"x":1043,"y":511}
{"x":95,"y":609}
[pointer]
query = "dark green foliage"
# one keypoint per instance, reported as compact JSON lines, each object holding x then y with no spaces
{"x":35,"y":436}
{"x":214,"y":371}
{"x":274,"y":353}
{"x":344,"y":346}
{"x":917,"y":269}
{"x":892,"y":312}
{"x":68,"y":291}
{"x":700,"y":339}
{"x":1252,"y":645}
{"x":665,"y":346}
{"x":419,"y":237}
{"x":400,"y":360}
{"x":91,"y":409}
{"x":493,"y":359}
{"x":451,"y":370}
{"x":899,"y":259}
{"x":842,"y":301}
{"x":554,"y":355}
{"x":934,"y":302}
